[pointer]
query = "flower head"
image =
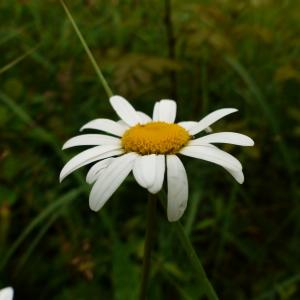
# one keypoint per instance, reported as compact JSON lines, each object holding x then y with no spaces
{"x":149,"y":147}
{"x":6,"y":293}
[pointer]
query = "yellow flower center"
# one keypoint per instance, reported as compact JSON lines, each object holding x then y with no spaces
{"x":155,"y":138}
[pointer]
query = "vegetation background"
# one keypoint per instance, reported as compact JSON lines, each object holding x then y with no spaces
{"x":206,"y":55}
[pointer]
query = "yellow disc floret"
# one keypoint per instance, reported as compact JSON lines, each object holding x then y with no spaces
{"x":155,"y":138}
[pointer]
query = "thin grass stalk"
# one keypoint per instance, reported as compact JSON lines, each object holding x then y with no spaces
{"x":17,"y":60}
{"x":88,"y":51}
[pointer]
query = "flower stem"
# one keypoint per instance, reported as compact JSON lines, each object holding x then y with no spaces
{"x":151,"y":216}
{"x":88,"y":51}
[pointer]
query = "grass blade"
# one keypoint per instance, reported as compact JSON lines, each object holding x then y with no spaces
{"x":52,"y":207}
{"x":88,"y":51}
{"x":36,"y":240}
{"x":17,"y":60}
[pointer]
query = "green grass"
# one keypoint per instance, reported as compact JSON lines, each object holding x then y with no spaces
{"x":228,"y":54}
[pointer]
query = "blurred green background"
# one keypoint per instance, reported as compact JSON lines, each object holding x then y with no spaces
{"x":206,"y":55}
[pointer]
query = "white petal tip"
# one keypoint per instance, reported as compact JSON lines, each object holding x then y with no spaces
{"x":230,"y":109}
{"x":172,"y":219}
{"x":92,"y":204}
{"x":239,"y":177}
{"x":251,"y":142}
{"x":65,"y":146}
{"x":115,"y":98}
{"x":240,"y":180}
{"x":85,"y":126}
{"x":93,"y":208}
{"x":153,"y":192}
{"x":62,"y":176}
{"x":112,"y":100}
{"x":168,"y":101}
{"x":246,"y":141}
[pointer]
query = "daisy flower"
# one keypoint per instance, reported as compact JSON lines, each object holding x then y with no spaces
{"x":150,"y":148}
{"x":6,"y":293}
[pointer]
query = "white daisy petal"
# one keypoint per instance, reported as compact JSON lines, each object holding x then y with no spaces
{"x":106,"y":125}
{"x":224,"y":137}
{"x":155,"y":116}
{"x":187,"y":125}
{"x":167,"y":110}
{"x":160,"y":166}
{"x":144,"y":118}
{"x":138,"y":173}
{"x":6,"y":293}
{"x":124,"y":110}
{"x":177,"y":188}
{"x":144,"y":170}
{"x":91,"y":139}
{"x":111,"y":179}
{"x":89,"y":156}
{"x":214,"y":155}
{"x":148,"y":168}
{"x":237,"y":175}
{"x":210,"y":119}
{"x":96,"y":169}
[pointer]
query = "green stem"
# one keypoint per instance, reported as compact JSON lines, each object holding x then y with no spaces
{"x":88,"y":51}
{"x":194,"y":259}
{"x":151,"y":216}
